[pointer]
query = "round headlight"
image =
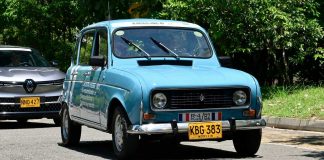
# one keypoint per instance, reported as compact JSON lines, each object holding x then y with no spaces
{"x":159,"y":100}
{"x":239,"y":97}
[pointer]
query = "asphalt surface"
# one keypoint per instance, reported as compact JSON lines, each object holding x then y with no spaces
{"x":40,"y":139}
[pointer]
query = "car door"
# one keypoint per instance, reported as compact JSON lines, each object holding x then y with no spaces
{"x":82,"y":92}
{"x":94,"y":75}
{"x":100,"y":100}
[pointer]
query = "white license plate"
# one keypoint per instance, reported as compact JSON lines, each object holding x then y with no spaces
{"x":200,"y":116}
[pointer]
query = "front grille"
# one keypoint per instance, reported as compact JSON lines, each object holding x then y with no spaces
{"x":8,"y":100}
{"x":52,"y":82}
{"x":44,"y":107}
{"x":201,"y":98}
{"x":17,"y":99}
{"x":51,"y":99}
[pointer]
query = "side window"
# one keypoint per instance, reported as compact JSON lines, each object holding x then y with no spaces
{"x":86,"y":47}
{"x":101,"y":47}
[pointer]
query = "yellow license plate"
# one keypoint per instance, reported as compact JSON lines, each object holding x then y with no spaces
{"x":205,"y":130}
{"x":29,"y":102}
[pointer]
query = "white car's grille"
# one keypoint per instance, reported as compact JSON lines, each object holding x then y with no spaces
{"x":42,"y":87}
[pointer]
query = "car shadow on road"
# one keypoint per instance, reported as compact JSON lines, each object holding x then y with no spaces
{"x":28,"y":125}
{"x":317,"y":140}
{"x":316,"y":155}
{"x":104,"y":149}
{"x":313,"y":140}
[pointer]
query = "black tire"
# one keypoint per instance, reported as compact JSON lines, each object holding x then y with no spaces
{"x":124,"y":144}
{"x":247,"y":142}
{"x":22,"y":121}
{"x":70,"y":131}
{"x":57,"y":121}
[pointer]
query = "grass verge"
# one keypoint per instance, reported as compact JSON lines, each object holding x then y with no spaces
{"x":303,"y":102}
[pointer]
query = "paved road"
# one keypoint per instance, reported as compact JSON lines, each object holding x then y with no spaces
{"x":40,"y":139}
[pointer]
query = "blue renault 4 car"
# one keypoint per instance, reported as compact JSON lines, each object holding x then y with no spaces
{"x":146,"y":79}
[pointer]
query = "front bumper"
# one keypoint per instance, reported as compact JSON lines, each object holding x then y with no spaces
{"x":174,"y":127}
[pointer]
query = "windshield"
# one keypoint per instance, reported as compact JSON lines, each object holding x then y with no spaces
{"x":160,"y":42}
{"x":22,"y":58}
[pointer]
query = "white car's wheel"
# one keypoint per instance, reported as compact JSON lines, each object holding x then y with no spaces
{"x":124,"y":144}
{"x":70,"y":131}
{"x":247,"y":142}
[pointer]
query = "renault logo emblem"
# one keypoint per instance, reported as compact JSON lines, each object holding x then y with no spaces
{"x":29,"y":86}
{"x":202,"y":97}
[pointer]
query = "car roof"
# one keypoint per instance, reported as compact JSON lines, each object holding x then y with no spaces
{"x":140,"y":22}
{"x":14,"y":48}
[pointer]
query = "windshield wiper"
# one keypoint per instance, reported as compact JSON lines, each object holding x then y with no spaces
{"x":148,"y":56}
{"x":164,"y":48}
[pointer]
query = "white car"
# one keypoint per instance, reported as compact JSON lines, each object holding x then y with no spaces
{"x":30,"y":87}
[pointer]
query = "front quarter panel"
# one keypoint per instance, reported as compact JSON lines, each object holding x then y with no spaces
{"x":124,"y":87}
{"x":66,"y":85}
{"x":258,"y":98}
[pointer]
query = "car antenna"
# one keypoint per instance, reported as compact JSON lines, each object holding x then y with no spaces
{"x":109,"y":16}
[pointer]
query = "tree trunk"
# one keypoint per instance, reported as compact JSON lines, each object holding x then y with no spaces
{"x":286,"y":68}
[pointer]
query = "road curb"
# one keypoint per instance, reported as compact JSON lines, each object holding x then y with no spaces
{"x":294,"y":123}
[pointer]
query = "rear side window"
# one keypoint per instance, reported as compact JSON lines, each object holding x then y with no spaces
{"x":101,"y":47}
{"x":86,"y":47}
{"x":103,"y":43}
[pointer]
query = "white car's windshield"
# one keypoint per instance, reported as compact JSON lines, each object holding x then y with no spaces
{"x":20,"y":58}
{"x":160,"y":42}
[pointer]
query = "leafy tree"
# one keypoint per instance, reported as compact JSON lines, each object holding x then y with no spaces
{"x":282,"y":32}
{"x":94,"y":11}
{"x":45,"y":25}
{"x":273,"y":39}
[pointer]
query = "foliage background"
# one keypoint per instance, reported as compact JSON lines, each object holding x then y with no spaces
{"x":277,"y":41}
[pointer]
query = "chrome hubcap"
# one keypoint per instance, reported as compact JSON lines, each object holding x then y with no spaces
{"x":65,"y":124}
{"x":119,"y":134}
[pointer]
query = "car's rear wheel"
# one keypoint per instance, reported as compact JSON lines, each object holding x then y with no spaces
{"x":124,"y":144}
{"x":247,"y":142}
{"x":70,"y":131}
{"x":57,"y":121}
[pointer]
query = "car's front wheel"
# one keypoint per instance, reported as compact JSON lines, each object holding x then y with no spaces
{"x":124,"y":144}
{"x":70,"y":131}
{"x":247,"y":142}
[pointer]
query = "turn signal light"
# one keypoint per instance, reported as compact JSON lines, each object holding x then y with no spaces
{"x":148,"y":116}
{"x":249,"y":113}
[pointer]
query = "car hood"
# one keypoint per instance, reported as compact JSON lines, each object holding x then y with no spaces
{"x":16,"y":74}
{"x":190,"y":76}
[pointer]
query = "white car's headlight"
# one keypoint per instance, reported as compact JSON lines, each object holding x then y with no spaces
{"x":159,"y":100}
{"x":239,"y":97}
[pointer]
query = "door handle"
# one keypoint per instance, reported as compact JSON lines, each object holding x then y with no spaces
{"x":74,"y":73}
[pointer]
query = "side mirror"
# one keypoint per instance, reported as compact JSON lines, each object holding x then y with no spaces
{"x":97,"y":61}
{"x":54,"y":63}
{"x":225,"y":61}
